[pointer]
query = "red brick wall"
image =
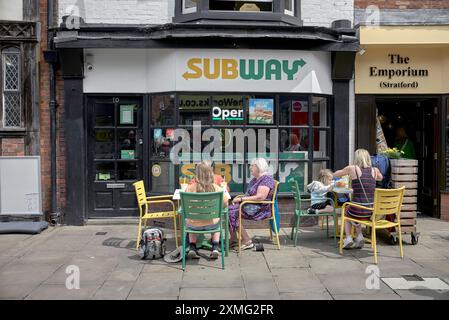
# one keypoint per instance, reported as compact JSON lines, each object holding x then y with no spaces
{"x":44,"y":112}
{"x":403,"y":4}
{"x":12,"y":147}
{"x":45,"y":143}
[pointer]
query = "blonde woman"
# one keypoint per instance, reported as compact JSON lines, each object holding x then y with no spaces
{"x":204,"y":182}
{"x":364,"y":178}
{"x":260,"y":188}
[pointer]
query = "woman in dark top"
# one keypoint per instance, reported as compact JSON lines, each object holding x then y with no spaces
{"x":363,"y":177}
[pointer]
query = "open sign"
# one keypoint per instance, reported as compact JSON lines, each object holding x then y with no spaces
{"x":226,"y":114}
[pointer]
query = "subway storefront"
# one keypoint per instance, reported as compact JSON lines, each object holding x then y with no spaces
{"x":274,"y":104}
{"x":146,"y":110}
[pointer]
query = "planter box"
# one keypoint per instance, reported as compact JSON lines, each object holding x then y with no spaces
{"x":404,"y":172}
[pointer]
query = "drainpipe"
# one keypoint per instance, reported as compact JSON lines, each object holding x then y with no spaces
{"x":51,"y":58}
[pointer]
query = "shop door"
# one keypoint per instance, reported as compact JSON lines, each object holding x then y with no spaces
{"x":114,"y":145}
{"x":429,"y":164}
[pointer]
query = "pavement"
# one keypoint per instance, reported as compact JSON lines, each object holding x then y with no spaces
{"x":45,"y":266}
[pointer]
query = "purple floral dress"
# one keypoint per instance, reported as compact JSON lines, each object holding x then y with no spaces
{"x":265,"y":210}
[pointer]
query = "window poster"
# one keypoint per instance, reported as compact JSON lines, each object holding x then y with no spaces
{"x":157,"y":134}
{"x":127,"y":114}
{"x":170,"y":134}
{"x":261,"y":111}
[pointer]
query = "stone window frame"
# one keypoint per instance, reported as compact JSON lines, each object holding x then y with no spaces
{"x":202,"y":12}
{"x":15,"y":50}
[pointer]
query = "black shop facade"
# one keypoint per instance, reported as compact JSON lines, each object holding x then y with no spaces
{"x":129,"y":104}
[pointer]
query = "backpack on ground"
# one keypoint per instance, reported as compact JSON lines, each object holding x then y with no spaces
{"x":152,"y":244}
{"x":382,"y":163}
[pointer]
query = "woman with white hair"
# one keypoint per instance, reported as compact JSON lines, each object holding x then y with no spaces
{"x":260,"y":188}
{"x":363,"y":177}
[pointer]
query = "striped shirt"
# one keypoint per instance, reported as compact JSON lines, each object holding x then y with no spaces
{"x":359,"y":197}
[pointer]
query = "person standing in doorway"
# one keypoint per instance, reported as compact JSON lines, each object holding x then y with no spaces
{"x":404,"y":144}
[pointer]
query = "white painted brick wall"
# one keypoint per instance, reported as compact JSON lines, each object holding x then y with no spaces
{"x":314,"y":12}
{"x":120,"y":11}
{"x":322,"y":12}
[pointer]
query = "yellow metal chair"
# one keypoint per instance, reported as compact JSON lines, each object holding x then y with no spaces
{"x":273,"y":216}
{"x":144,"y":202}
{"x":386,"y":202}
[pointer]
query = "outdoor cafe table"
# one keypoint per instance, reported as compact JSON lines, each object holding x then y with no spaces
{"x":201,"y":241}
{"x":337,"y":191}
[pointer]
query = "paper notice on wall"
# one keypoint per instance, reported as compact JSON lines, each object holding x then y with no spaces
{"x":381,"y":142}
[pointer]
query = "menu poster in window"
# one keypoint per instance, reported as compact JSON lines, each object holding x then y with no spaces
{"x":127,"y":114}
{"x":261,"y":111}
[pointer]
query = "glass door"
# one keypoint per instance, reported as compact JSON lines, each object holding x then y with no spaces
{"x":114,"y":155}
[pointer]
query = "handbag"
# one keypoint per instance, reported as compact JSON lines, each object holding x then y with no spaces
{"x":251,"y":209}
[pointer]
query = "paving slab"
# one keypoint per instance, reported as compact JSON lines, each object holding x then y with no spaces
{"x":259,"y":285}
{"x":285,"y":259}
{"x":18,"y":273}
{"x":148,"y":284}
{"x":297,"y":280}
{"x":211,"y":278}
{"x":331,"y":266}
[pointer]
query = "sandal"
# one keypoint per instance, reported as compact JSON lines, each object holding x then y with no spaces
{"x":248,"y":246}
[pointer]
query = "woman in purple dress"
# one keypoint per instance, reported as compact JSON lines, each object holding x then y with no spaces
{"x":260,"y":188}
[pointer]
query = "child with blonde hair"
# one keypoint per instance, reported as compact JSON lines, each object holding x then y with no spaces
{"x":320,"y":190}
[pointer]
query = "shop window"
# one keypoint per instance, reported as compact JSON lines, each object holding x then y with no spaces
{"x":289,"y":7}
{"x":104,"y":115}
{"x":104,"y":144}
{"x":320,"y":112}
{"x":163,"y":110}
{"x":162,"y":142}
{"x":297,"y":170}
{"x":228,"y":110}
{"x":162,"y":177}
{"x":317,"y":166}
{"x":11,"y":89}
{"x":242,"y":5}
{"x":189,"y":6}
{"x":294,"y":111}
{"x":294,"y":140}
{"x":261,"y":110}
{"x":193,"y":108}
{"x":320,"y":143}
{"x":127,"y":171}
{"x":104,"y":171}
{"x":127,"y":144}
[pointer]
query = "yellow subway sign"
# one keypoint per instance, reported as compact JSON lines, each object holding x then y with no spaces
{"x":245,"y":69}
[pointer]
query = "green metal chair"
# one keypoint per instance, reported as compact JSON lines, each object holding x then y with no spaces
{"x":299,"y":212}
{"x":201,"y":206}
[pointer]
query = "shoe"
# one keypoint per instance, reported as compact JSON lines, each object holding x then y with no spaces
{"x":311,"y":211}
{"x":193,"y":254}
{"x":248,"y":246}
{"x":359,"y":242}
{"x":348,"y":243}
{"x":214,"y":254}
